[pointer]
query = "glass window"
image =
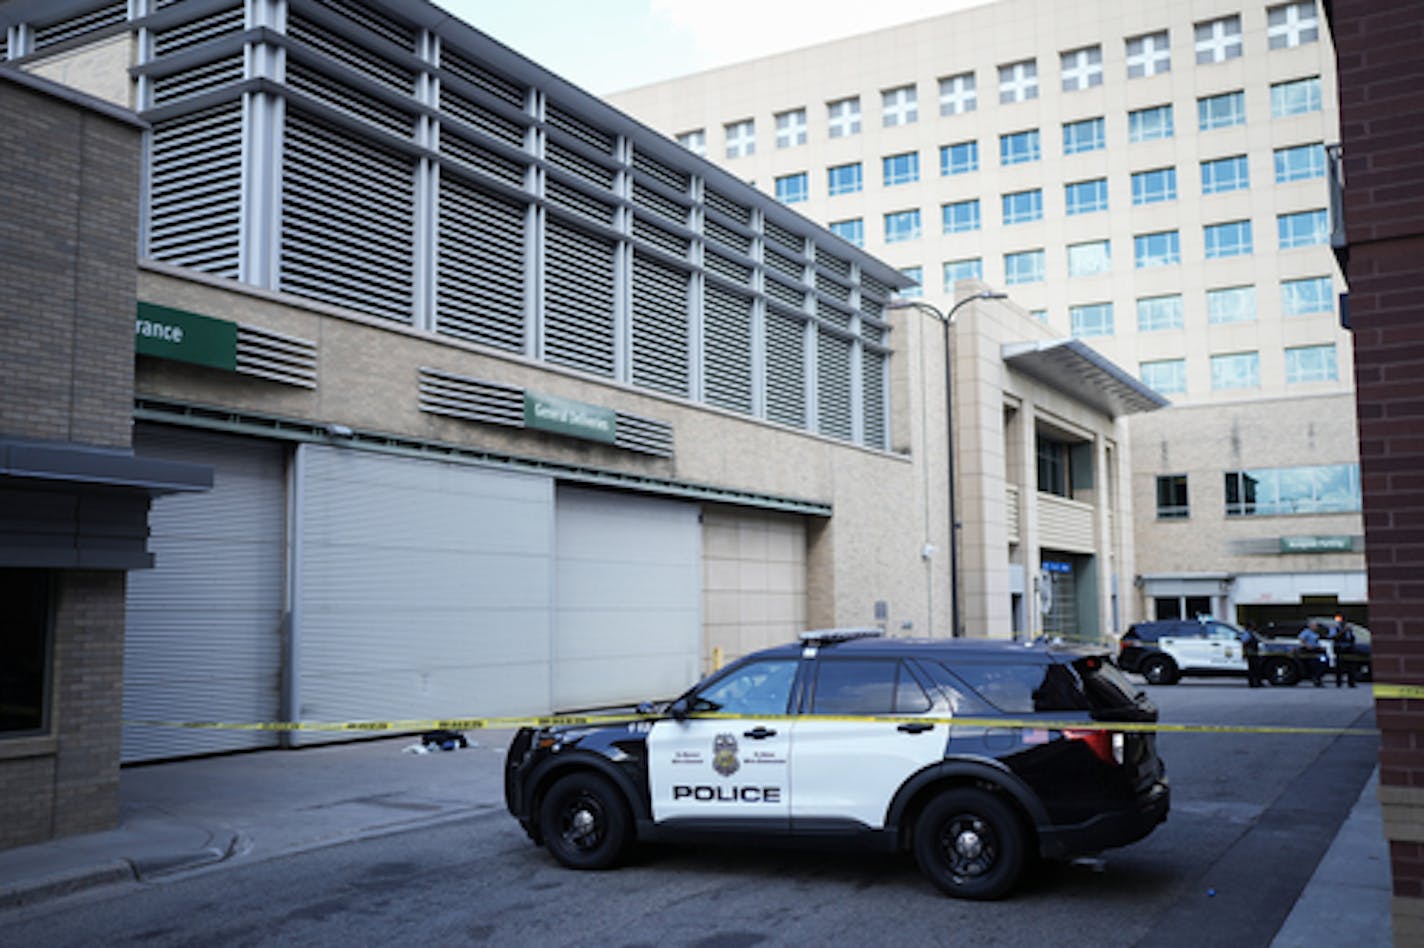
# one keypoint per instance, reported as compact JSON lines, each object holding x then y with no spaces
{"x":24,"y":652}
{"x":1021,"y":207}
{"x":1311,"y":364}
{"x":1155,"y":186}
{"x":1026,"y":266}
{"x":1156,"y":250}
{"x":1296,"y":97}
{"x":759,"y":687}
{"x":741,"y":138}
{"x":1292,"y":24}
{"x":1231,"y":239}
{"x":1300,"y":162}
{"x":1328,"y":488}
{"x":957,"y":95}
{"x":1084,"y":197}
{"x":1172,"y":497}
{"x":918,"y":290}
{"x":1146,"y":125}
{"x":959,"y":158}
{"x":1303,"y":229}
{"x":1018,"y":82}
{"x":1085,"y":135}
{"x":791,"y":188}
{"x":1165,"y":377}
{"x":1307,"y":295}
{"x":901,"y":169}
{"x":899,"y":106}
{"x":866,"y":686}
{"x":1232,"y":304}
{"x":955,"y":270}
{"x":901,"y":226}
{"x":1218,"y":40}
{"x":852,"y":231}
{"x":1086,"y":259}
{"x":1053,"y":460}
{"x":1148,"y":55}
{"x":1094,"y":319}
{"x":1022,"y":688}
{"x":843,"y":117}
{"x":961,"y":216}
{"x":1018,"y":147}
{"x":1082,"y":68}
{"x":844,"y":179}
{"x":1039,"y":314}
{"x":1221,"y":111}
{"x":1156,"y":313}
{"x":1235,"y":370}
{"x":694,"y":141}
{"x":1225,"y":174}
{"x":791,"y":128}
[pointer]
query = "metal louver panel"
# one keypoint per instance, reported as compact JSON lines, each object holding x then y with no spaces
{"x":669,"y":243}
{"x":480,"y":159}
{"x":565,"y":122}
{"x":784,"y":265}
{"x":786,"y":369}
{"x":276,"y":356}
{"x":347,"y":221}
{"x":727,"y":350}
{"x":187,"y":35}
{"x":874,"y":287}
{"x":652,"y":168}
{"x":834,"y":315}
{"x":572,"y":199}
{"x":784,"y":237}
{"x":109,"y":14}
{"x":501,"y":88}
{"x":350,"y":54}
{"x":476,"y":115}
{"x":727,"y":237}
{"x":198,"y":79}
{"x":355,"y":104}
{"x":574,"y":163}
{"x":365,"y":14}
{"x":873,"y":308}
{"x":643,"y":435}
{"x":876,"y":398}
{"x":460,"y":396}
{"x":479,"y":289}
{"x":738,"y":272}
{"x":832,"y":288}
{"x":833,"y":386}
{"x":724,"y":205}
{"x":195,"y":191}
{"x":650,"y":200}
{"x":831,"y":263}
{"x":782,"y":293}
{"x":578,"y":299}
{"x":660,"y":328}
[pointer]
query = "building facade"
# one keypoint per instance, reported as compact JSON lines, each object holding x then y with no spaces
{"x":1150,"y":179}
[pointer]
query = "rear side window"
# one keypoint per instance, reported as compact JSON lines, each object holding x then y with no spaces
{"x":1106,"y":685}
{"x":867,"y":687}
{"x":1023,"y":688}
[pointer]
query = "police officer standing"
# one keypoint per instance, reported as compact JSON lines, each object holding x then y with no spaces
{"x":1344,"y":639}
{"x":1312,"y":653}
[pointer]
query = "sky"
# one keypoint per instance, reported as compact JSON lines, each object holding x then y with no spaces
{"x":608,"y":45}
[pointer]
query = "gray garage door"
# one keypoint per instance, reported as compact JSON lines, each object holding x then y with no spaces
{"x":203,"y":627}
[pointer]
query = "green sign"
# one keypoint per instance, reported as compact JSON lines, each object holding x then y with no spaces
{"x":187,"y":337}
{"x":1316,"y":545}
{"x":566,"y":417}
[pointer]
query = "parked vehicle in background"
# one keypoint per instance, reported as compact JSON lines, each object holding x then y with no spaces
{"x":1361,"y":656}
{"x":1165,"y":650}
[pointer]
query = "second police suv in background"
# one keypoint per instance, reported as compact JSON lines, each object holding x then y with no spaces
{"x":1165,"y":650}
{"x":785,"y":744}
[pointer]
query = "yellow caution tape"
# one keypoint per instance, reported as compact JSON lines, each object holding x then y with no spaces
{"x":1399,"y":691}
{"x":562,"y":720}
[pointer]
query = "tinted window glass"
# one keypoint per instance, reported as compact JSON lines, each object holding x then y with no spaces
{"x":1021,"y":688}
{"x":961,"y":699}
{"x":756,"y":688}
{"x":1106,"y":685}
{"x":866,"y":687}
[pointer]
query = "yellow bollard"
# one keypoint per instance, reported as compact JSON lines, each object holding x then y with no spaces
{"x":716,"y":658}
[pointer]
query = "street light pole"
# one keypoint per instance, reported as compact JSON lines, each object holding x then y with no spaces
{"x":946,"y":320}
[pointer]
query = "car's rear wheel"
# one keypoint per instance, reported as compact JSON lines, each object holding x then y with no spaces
{"x":585,"y":822}
{"x":1282,"y":673}
{"x":970,"y":844}
{"x":1160,"y":670}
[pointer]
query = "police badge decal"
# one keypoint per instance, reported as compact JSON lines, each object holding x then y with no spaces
{"x":724,"y":755}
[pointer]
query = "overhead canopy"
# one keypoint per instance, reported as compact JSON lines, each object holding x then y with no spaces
{"x":1077,"y":370}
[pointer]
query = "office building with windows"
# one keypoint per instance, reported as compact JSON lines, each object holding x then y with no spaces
{"x":1152,"y":180}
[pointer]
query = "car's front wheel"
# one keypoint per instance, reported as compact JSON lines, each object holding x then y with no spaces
{"x":971,"y":844}
{"x":1282,"y":673}
{"x":585,"y":823}
{"x":1160,"y":670}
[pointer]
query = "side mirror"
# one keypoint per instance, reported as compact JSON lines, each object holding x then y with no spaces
{"x":679,"y":709}
{"x":646,"y":707}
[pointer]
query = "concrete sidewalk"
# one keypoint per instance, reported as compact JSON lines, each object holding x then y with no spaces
{"x":192,"y":813}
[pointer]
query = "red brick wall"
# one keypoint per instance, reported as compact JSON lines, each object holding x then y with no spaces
{"x":1381,"y":79}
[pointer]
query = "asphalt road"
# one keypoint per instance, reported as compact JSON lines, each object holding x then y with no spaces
{"x":1251,"y":817}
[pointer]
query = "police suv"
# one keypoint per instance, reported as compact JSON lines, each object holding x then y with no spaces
{"x":976,"y":755}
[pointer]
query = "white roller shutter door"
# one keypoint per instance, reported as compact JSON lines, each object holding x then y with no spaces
{"x":628,"y":624}
{"x":422,"y":588}
{"x":204,"y":627}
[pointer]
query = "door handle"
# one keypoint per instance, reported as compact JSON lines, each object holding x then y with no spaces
{"x":759,"y":733}
{"x":915,"y":728}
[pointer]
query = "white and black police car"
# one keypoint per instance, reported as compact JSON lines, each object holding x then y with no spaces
{"x":850,"y":737}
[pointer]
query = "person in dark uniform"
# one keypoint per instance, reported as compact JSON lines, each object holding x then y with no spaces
{"x":1344,"y":639}
{"x":1312,"y":653}
{"x":1251,"y":648}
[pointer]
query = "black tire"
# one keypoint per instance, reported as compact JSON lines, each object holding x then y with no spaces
{"x":1282,"y":673}
{"x":585,"y":823}
{"x":1160,"y":670}
{"x":971,"y":845}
